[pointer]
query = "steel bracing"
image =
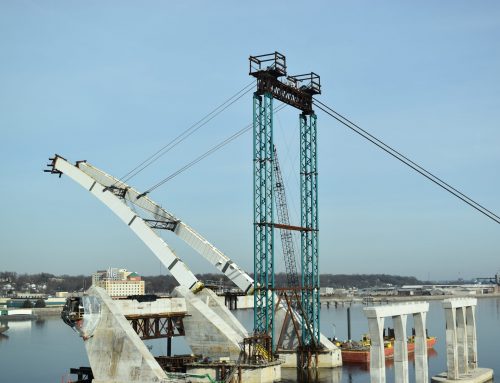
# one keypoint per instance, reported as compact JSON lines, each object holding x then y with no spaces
{"x":309,"y":220}
{"x":263,"y":214}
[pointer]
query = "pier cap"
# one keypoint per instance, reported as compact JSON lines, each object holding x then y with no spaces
{"x":397,"y":309}
{"x":453,"y":303}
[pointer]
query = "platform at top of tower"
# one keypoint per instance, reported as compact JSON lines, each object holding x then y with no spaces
{"x":296,"y":91}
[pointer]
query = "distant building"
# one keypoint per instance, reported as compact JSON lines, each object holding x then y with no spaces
{"x":118,"y":282}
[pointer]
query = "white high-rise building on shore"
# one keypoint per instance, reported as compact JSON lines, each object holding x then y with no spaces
{"x":118,"y":282}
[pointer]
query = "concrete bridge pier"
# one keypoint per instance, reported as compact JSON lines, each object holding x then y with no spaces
{"x":400,"y":349}
{"x":461,"y":343}
{"x":421,"y":370}
{"x":450,"y":315}
{"x":399,"y":314}
{"x":463,"y":362}
{"x":377,"y":356}
{"x":470,"y":315}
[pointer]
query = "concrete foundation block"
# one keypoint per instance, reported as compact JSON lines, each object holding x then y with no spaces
{"x":479,"y":375}
{"x":206,"y":332}
{"x":267,"y":373}
{"x":326,"y":359}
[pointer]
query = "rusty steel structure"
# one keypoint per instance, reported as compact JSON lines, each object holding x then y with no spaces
{"x":296,"y":91}
{"x":154,"y":326}
{"x":257,"y":349}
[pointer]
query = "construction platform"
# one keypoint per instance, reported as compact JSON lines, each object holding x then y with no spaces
{"x":479,"y":375}
{"x":229,"y":371}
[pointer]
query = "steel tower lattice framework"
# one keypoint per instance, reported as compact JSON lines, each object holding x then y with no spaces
{"x":309,"y":221}
{"x":263,"y":214}
{"x":298,"y":92}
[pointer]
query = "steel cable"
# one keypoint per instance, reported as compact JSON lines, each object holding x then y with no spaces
{"x":186,"y":133}
{"x":405,"y":160}
{"x":204,"y":155}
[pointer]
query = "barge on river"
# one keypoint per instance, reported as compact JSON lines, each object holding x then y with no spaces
{"x":359,"y":352}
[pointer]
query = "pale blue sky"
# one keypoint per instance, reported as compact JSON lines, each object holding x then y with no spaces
{"x":111,"y":82}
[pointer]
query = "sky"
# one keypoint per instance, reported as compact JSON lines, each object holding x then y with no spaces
{"x":111,"y":82}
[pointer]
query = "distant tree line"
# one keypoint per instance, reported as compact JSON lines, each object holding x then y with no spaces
{"x":51,"y":282}
{"x":166,"y":283}
{"x":362,"y":281}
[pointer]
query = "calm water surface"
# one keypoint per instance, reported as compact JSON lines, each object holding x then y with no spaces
{"x":44,"y":350}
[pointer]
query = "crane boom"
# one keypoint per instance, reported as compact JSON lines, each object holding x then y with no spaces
{"x":284,"y":218}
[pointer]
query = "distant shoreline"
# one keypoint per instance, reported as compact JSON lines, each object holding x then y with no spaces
{"x":56,"y":311}
{"x":389,"y":298}
{"x":42,"y":312}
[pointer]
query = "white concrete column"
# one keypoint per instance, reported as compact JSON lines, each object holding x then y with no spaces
{"x":399,"y":314}
{"x":400,"y":349}
{"x":451,"y":342}
{"x":421,"y":365}
{"x":462,"y":347}
{"x":470,"y":315}
{"x":377,"y":355}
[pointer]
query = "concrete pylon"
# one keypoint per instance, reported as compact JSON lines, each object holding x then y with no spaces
{"x":458,"y":333}
{"x":421,"y":370}
{"x":399,"y":314}
{"x":463,"y":362}
{"x":450,"y":315}
{"x":400,"y":349}
{"x":470,"y":315}
{"x":377,"y":357}
{"x":461,"y":344}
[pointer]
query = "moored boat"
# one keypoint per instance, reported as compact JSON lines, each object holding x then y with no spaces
{"x":17,"y":314}
{"x":359,"y":352}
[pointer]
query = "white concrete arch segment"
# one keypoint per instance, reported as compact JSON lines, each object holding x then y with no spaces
{"x":157,"y":245}
{"x":192,"y":238}
{"x":115,"y":351}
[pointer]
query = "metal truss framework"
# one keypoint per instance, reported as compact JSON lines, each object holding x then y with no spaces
{"x":157,"y":326}
{"x":263,"y":214}
{"x":309,"y":220}
{"x":298,"y":92}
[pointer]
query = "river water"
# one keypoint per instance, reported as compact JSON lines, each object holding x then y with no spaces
{"x":44,"y":350}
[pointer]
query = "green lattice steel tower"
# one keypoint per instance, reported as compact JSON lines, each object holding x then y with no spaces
{"x":263,"y":213}
{"x":297,"y":91}
{"x":309,"y":221}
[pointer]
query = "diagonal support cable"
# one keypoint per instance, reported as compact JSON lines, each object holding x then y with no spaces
{"x":405,"y":160}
